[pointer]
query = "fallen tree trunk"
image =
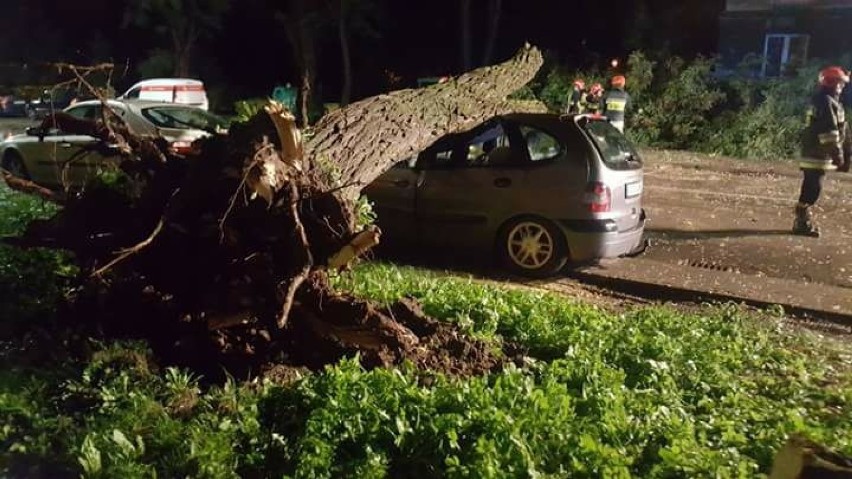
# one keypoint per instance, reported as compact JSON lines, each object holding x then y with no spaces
{"x":226,"y":251}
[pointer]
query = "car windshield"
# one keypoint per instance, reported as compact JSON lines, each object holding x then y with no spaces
{"x":184,"y":118}
{"x":616,"y":150}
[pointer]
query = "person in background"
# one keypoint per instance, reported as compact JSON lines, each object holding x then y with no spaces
{"x":575,"y":103}
{"x":592,"y":99}
{"x":615,"y":102}
{"x":823,"y":144}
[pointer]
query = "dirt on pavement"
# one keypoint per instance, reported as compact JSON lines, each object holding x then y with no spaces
{"x":735,"y":216}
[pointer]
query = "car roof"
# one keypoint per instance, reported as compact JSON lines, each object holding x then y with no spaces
{"x":167,"y":81}
{"x":136,"y":104}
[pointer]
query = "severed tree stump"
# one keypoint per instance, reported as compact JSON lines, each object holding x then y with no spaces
{"x":223,"y":254}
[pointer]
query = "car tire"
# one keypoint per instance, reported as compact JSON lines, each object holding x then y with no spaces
{"x":531,"y":246}
{"x":14,"y":164}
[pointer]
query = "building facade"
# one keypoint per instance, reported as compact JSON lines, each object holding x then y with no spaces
{"x":769,"y":38}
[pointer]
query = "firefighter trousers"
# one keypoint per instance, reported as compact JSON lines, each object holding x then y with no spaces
{"x":811,"y":186}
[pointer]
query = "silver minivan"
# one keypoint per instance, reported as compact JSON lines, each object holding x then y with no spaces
{"x":533,"y":190}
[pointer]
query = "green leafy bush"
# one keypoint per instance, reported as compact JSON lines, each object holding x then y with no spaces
{"x":31,"y":281}
{"x":245,"y":109}
{"x":683,"y":105}
{"x":651,"y":392}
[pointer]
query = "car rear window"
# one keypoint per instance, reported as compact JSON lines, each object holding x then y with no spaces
{"x":615,"y":148}
{"x":183,"y":118}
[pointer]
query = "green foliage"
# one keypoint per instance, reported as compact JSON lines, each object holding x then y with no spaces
{"x":675,"y":114}
{"x":651,"y":392}
{"x":31,"y":281}
{"x":365,"y":215}
{"x":246,"y":109}
{"x":555,"y":89}
{"x":767,"y":120}
{"x":681,"y":104}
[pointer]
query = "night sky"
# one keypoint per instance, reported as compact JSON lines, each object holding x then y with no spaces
{"x":415,"y":38}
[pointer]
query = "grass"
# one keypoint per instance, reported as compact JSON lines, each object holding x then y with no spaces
{"x":651,"y":392}
{"x":30,"y":281}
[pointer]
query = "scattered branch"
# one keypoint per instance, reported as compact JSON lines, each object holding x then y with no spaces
{"x":308,"y":260}
{"x":30,"y":188}
{"x":128,"y":252}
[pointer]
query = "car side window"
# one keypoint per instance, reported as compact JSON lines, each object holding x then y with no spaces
{"x":542,"y":146}
{"x":490,"y":147}
{"x":487,"y":146}
{"x":85,"y":112}
{"x":440,"y":155}
{"x":133,"y":94}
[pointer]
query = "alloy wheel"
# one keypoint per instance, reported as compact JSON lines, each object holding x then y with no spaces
{"x":530,"y":245}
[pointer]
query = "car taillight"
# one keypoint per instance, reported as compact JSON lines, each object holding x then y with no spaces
{"x":598,"y":196}
{"x":182,"y":147}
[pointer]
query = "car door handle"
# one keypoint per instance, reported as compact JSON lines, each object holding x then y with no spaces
{"x":65,"y":144}
{"x":402,"y":183}
{"x":502,"y":182}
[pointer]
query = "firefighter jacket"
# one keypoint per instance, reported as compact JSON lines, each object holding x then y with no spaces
{"x":824,"y":135}
{"x":591,"y":103}
{"x":575,"y":105}
{"x":615,"y":104}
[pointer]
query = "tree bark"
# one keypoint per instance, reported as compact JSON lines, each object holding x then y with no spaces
{"x":371,"y":135}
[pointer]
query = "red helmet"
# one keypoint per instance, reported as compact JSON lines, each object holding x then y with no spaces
{"x":831,"y":76}
{"x":579,"y":83}
{"x":596,"y":88}
{"x":619,"y":81}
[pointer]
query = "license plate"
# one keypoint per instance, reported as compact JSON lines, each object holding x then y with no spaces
{"x":633,"y":189}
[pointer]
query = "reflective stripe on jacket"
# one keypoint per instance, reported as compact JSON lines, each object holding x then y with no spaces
{"x":615,"y":104}
{"x":825,"y":133}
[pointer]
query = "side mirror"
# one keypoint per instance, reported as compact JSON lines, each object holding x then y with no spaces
{"x":35,"y":131}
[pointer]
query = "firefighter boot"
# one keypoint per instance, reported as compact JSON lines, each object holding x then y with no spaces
{"x":804,"y":225}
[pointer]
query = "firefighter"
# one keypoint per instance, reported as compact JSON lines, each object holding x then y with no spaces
{"x":615,"y":102}
{"x":575,"y":104}
{"x":822,"y":144}
{"x":592,"y":100}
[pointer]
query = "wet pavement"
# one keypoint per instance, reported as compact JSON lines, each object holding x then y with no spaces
{"x":722,"y":226}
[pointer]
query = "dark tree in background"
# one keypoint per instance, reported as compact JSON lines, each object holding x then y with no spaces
{"x":302,"y":20}
{"x":495,"y":8}
{"x":464,"y":31}
{"x":184,"y":22}
{"x":352,"y":18}
{"x":328,"y":47}
{"x":492,"y":20}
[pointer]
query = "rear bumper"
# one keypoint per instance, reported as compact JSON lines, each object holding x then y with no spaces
{"x":600,"y":239}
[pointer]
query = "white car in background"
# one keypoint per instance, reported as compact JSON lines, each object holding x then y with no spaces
{"x":184,"y":91}
{"x":53,"y":158}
